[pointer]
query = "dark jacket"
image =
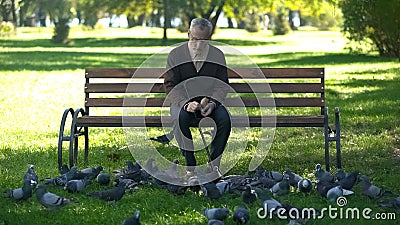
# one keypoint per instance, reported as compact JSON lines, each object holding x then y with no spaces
{"x":210,"y":81}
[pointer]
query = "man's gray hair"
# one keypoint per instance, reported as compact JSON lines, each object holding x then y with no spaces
{"x":202,"y":23}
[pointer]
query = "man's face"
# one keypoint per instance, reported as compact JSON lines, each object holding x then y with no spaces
{"x":198,"y":39}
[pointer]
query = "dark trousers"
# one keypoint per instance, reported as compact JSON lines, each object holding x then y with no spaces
{"x":221,"y":117}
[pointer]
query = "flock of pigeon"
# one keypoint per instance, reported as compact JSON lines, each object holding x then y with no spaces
{"x":263,"y":185}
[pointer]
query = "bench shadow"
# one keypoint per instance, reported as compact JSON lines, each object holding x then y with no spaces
{"x":119,"y":42}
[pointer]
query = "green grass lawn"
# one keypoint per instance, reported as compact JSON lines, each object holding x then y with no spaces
{"x":39,"y":80}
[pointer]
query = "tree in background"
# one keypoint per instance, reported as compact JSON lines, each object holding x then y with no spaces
{"x":60,"y":13}
{"x":281,"y":26}
{"x":377,"y":20}
{"x":252,"y":21}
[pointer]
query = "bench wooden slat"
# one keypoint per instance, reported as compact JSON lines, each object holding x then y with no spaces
{"x":237,"y":121}
{"x":230,"y":102}
{"x":273,"y":73}
{"x":238,"y":87}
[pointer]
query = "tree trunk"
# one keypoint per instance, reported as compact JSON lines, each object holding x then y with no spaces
{"x":166,"y":21}
{"x":14,"y":14}
{"x":214,"y":19}
{"x":61,"y":31}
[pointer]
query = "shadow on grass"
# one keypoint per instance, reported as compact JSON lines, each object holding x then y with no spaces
{"x":375,"y":106}
{"x":119,"y":42}
{"x":70,"y":60}
{"x":52,"y":61}
{"x":301,"y":59}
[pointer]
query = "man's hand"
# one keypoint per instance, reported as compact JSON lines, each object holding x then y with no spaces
{"x":192,"y":106}
{"x":208,"y":109}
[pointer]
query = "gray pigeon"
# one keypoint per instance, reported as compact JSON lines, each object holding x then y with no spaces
{"x":128,"y":184}
{"x":349,"y":181}
{"x":177,"y":189}
{"x":172,"y":170}
{"x":64,"y":169}
{"x":337,"y":192}
{"x":210,"y":190}
{"x":91,"y":173}
{"x":340,"y":174}
{"x":248,"y":195}
{"x":114,"y":194}
{"x":31,"y":175}
{"x":391,"y":203}
{"x":216,"y":213}
{"x":130,"y":168}
{"x":265,"y":182}
{"x":334,"y":193}
{"x":73,"y":186}
{"x":149,"y":167}
{"x":281,"y":188}
{"x":241,"y":215}
{"x":324,"y":187}
{"x":276,"y":176}
{"x":215,"y":222}
{"x":62,"y":179}
{"x":305,"y":185}
{"x":50,"y":200}
{"x":270,"y":205}
{"x":323,"y":175}
{"x":293,"y":178}
{"x":371,"y":190}
{"x":223,"y":186}
{"x":134,"y":220}
{"x":22,"y":193}
{"x":103,"y":178}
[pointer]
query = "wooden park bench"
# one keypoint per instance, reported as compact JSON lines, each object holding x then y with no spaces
{"x":302,"y":89}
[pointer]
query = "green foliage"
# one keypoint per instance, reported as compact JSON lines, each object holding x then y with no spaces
{"x":281,"y":25}
{"x":329,"y":17}
{"x":377,"y":20}
{"x":6,"y":28}
{"x":252,"y":22}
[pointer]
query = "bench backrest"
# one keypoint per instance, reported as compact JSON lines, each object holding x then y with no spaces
{"x":296,"y":91}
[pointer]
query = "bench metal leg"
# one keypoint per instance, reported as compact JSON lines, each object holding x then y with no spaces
{"x":61,"y":137}
{"x":74,"y":137}
{"x":332,"y":135}
{"x":326,"y":136}
{"x":337,"y":138}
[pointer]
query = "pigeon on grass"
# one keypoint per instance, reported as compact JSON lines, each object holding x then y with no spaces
{"x":216,"y":213}
{"x":63,"y":179}
{"x":91,"y":173}
{"x":73,"y":186}
{"x":281,"y":188}
{"x":323,"y":175}
{"x":134,"y":220}
{"x":350,"y":180}
{"x":103,"y":179}
{"x":164,"y":139}
{"x":305,"y":185}
{"x":391,"y":203}
{"x":50,"y":200}
{"x":215,"y":222}
{"x":31,"y":175}
{"x":115,"y":194}
{"x":22,"y":193}
{"x":241,"y":215}
{"x":372,"y":191}
{"x":248,"y":195}
{"x":293,"y":178}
